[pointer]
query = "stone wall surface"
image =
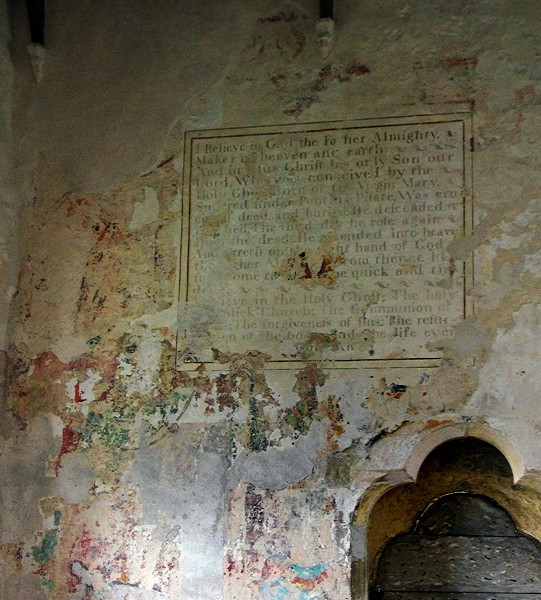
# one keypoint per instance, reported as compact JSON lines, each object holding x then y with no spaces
{"x":129,"y":474}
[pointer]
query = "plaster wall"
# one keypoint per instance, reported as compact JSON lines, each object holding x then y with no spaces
{"x":126,"y":478}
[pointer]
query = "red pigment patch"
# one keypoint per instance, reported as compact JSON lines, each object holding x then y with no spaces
{"x":396,"y":390}
{"x":86,"y":545}
{"x":76,"y":207}
{"x":310,"y":584}
{"x":277,"y":78}
{"x":70,"y":441}
{"x":525,"y":94}
{"x":165,"y":162}
{"x":460,"y":62}
{"x":77,"y":393}
{"x":107,"y":231}
{"x":354,"y":67}
{"x":330,"y":504}
{"x":74,"y":580}
{"x":231,"y":566}
{"x":225,"y":388}
{"x":435,"y":423}
{"x":48,"y":365}
{"x":267,"y":570}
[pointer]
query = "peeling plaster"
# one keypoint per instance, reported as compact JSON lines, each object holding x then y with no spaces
{"x":126,"y":477}
{"x":507,"y":391}
{"x":26,"y":480}
{"x":146,"y":211}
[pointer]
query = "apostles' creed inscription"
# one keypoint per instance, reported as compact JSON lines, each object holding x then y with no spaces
{"x":325,"y":241}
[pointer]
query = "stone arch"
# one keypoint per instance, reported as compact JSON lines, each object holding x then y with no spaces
{"x":429,"y":442}
{"x":444,"y":434}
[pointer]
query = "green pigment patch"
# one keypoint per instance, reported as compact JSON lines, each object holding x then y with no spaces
{"x":45,"y":550}
{"x":114,"y":427}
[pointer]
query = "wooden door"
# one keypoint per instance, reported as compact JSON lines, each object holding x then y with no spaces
{"x":464,"y":546}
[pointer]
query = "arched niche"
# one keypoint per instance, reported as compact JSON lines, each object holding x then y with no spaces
{"x":463,"y":464}
{"x":446,"y":434}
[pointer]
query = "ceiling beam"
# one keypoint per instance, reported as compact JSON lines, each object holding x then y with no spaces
{"x":326,"y":9}
{"x":36,"y":20}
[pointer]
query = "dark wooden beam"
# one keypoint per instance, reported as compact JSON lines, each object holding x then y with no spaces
{"x":36,"y":20}
{"x":326,"y":9}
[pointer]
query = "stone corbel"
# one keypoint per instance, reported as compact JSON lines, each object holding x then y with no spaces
{"x":37,"y":52}
{"x":325,"y":27}
{"x":36,"y":48}
{"x":325,"y":35}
